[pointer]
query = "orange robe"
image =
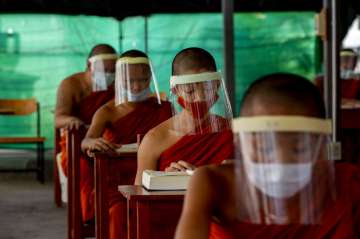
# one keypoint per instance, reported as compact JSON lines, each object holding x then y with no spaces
{"x":146,"y":116}
{"x":208,"y":148}
{"x":85,"y":111}
{"x":341,"y":221}
{"x":199,"y":150}
{"x":350,"y":88}
{"x":203,"y":148}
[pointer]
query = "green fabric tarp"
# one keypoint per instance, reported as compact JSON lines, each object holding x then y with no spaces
{"x":38,"y":51}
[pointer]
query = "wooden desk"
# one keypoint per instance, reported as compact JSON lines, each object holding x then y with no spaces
{"x":125,"y":164}
{"x":5,"y":111}
{"x":151,"y":214}
{"x":350,"y":118}
{"x":350,"y":131}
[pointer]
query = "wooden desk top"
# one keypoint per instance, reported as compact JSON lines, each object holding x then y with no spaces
{"x":350,"y":114}
{"x":132,"y":192}
{"x":119,"y":156}
{"x":350,"y":104}
{"x":5,"y":111}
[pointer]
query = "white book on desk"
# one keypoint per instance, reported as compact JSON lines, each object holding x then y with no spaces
{"x":128,"y":148}
{"x":160,"y":180}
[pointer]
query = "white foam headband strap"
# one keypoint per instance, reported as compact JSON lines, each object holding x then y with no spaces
{"x":103,"y":57}
{"x":132,"y":60}
{"x":347,"y":53}
{"x":282,"y":124}
{"x":194,"y":78}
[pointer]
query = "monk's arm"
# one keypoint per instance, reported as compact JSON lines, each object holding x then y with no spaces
{"x":148,"y":155}
{"x":64,"y":117}
{"x":198,"y":207}
{"x":93,"y":139}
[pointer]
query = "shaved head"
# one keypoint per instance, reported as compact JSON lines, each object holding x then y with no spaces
{"x":133,"y":53}
{"x":283,"y":93}
{"x":193,"y":59}
{"x":101,"y":49}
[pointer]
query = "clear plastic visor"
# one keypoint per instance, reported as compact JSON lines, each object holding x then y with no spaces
{"x":283,"y":172}
{"x":102,"y":68}
{"x":200,"y":103}
{"x":135,"y":80}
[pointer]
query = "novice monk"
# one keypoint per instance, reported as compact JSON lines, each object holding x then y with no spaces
{"x":134,"y":111}
{"x":194,"y":136}
{"x":350,"y":85}
{"x":281,"y":184}
{"x":76,"y":99}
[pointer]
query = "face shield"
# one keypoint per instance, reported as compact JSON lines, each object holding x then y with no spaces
{"x":102,"y":69}
{"x":283,"y":173}
{"x":135,"y":80}
{"x":348,"y":62}
{"x":200,"y":103}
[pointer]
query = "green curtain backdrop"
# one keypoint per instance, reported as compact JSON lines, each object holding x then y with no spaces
{"x":38,"y":51}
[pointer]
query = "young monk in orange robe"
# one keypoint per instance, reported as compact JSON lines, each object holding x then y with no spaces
{"x":76,"y":102}
{"x":173,"y":149}
{"x":164,"y":149}
{"x":350,"y":84}
{"x":210,"y":205}
{"x":114,"y":125}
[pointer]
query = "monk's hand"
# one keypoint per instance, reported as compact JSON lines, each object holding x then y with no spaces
{"x":101,"y":145}
{"x":74,"y":123}
{"x":90,"y":153}
{"x":180,"y":166}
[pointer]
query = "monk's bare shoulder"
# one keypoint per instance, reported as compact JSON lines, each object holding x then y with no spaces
{"x":114,"y":112}
{"x":218,"y":175}
{"x":213,"y":181}
{"x":158,"y":139}
{"x":74,"y":81}
{"x":160,"y":132}
{"x":73,"y":86}
{"x":219,"y":183}
{"x":106,"y":111}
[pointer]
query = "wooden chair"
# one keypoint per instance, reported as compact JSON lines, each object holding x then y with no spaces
{"x":76,"y":228}
{"x":19,"y":107}
{"x":127,"y":163}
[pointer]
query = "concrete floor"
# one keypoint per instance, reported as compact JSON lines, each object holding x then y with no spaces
{"x":27,"y":208}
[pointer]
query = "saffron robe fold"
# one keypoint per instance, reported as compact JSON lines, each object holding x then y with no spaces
{"x":144,"y":117}
{"x":85,"y":111}
{"x":340,"y":221}
{"x":199,"y":150}
{"x":202,"y":149}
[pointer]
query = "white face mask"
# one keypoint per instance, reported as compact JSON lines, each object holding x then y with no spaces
{"x":101,"y":80}
{"x":346,"y":74}
{"x":136,"y":97}
{"x":279,"y":180}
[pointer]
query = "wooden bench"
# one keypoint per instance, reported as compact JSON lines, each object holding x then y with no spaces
{"x":57,"y":187}
{"x":20,"y":107}
{"x":127,"y":165}
{"x":151,"y":214}
{"x":76,"y":228}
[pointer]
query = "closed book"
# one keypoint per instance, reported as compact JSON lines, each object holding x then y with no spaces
{"x":128,"y":148}
{"x":160,"y":180}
